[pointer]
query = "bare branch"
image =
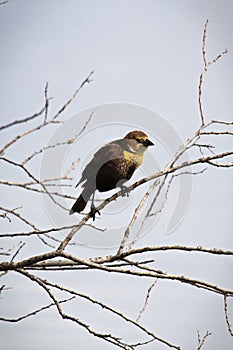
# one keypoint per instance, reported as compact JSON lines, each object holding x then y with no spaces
{"x":25,"y":133}
{"x":107,"y":337}
{"x":215,"y":121}
{"x":21,"y":245}
{"x":46,"y":102}
{"x":19,"y":121}
{"x":134,"y":217}
{"x":27,"y":187}
{"x":204,"y":44}
{"x":87,"y":80}
{"x":86,"y":123}
{"x":229,"y":326}
{"x":221,"y":165}
{"x":48,"y":230}
{"x":207,"y":146}
{"x":146,"y":300}
{"x":46,"y":122}
{"x":217,"y":133}
{"x":102,"y":305}
{"x":206,"y":66}
{"x":151,"y":274}
{"x":34,"y":178}
{"x":20,"y":217}
{"x":41,"y":150}
{"x":33,"y":313}
{"x":202,"y":341}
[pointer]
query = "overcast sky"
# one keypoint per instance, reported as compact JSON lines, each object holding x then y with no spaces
{"x":147,"y":59}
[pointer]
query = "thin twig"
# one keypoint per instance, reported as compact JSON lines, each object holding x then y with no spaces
{"x":20,"y":121}
{"x":206,"y":66}
{"x":135,"y":216}
{"x":46,"y":102}
{"x":229,"y":326}
{"x":34,"y":178}
{"x":202,"y":341}
{"x":87,"y":80}
{"x":146,"y":300}
{"x":21,"y":245}
{"x":35,"y":312}
{"x":20,"y":217}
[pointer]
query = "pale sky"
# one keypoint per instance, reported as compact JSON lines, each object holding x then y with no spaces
{"x":145,"y":54}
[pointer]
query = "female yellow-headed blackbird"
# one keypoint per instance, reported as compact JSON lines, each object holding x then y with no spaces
{"x":110,"y":167}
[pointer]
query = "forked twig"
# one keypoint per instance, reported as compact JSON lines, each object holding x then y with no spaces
{"x":202,"y":340}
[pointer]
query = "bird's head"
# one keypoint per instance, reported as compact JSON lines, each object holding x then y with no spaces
{"x":137,"y":141}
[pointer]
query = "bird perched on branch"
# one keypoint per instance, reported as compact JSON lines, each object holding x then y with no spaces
{"x":110,"y":168}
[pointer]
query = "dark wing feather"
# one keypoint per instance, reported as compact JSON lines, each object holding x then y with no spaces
{"x":110,"y":151}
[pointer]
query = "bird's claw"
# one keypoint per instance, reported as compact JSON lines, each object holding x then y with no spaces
{"x":93,"y":212}
{"x":124,"y":191}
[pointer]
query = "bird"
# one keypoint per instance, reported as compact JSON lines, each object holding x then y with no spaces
{"x":111,"y":166}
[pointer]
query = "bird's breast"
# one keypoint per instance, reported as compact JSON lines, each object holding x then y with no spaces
{"x":133,"y":158}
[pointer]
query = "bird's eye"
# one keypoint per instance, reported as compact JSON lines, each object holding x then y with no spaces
{"x":139,"y":140}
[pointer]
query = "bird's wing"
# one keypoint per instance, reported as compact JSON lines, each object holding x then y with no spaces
{"x":110,"y":151}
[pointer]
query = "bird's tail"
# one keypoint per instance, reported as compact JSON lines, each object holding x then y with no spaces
{"x":81,"y":202}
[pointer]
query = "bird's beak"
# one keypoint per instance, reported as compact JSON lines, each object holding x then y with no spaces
{"x":148,"y":143}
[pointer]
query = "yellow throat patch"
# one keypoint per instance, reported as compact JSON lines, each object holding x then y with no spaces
{"x":134,"y":158}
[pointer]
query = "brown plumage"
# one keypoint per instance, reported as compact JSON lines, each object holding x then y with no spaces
{"x":111,"y":166}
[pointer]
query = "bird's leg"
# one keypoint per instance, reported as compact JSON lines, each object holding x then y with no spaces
{"x":93,"y":208}
{"x":124,"y":191}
